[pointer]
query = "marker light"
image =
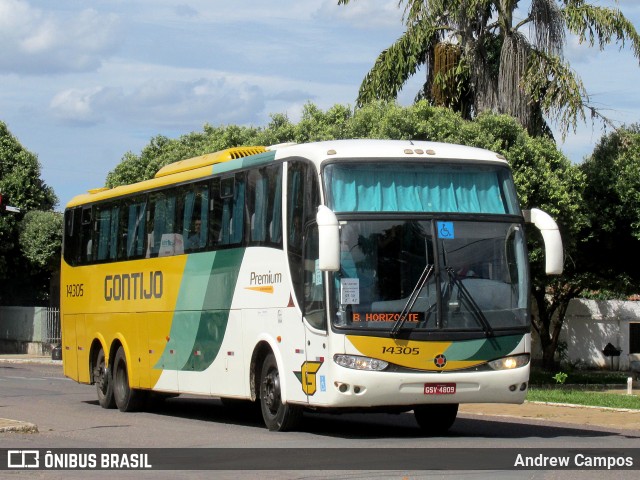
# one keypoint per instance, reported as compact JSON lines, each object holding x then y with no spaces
{"x":508,"y":363}
{"x":360,"y":363}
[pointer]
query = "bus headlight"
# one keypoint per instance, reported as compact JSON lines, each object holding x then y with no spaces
{"x":508,"y":363}
{"x":360,"y":363}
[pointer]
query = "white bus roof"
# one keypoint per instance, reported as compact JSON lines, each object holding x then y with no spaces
{"x":319,"y":152}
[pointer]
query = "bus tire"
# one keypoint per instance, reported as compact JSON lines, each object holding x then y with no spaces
{"x":277,"y":416}
{"x":127,"y":399}
{"x":436,"y":419}
{"x":104,"y":382}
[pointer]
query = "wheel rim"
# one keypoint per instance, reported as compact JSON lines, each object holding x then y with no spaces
{"x":272,"y":391}
{"x":101,"y":378}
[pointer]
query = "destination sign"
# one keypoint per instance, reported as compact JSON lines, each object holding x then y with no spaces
{"x":412,"y":317}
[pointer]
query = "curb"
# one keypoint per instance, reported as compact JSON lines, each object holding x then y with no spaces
{"x":574,"y":405}
{"x":15,"y":426}
{"x":37,"y":360}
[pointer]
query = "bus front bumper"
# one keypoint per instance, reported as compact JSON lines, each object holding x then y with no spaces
{"x":353,"y":389}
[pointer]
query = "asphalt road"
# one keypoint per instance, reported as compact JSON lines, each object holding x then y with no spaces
{"x":68,"y":416}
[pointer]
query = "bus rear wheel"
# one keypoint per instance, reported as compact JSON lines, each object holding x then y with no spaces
{"x":127,"y":399}
{"x":104,"y":383}
{"x":277,"y":416}
{"x":436,"y":419}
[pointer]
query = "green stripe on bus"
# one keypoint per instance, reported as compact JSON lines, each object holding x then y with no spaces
{"x":223,"y":278}
{"x":259,"y":159}
{"x":202,"y":310}
{"x":211,"y":330}
{"x":246,"y":162}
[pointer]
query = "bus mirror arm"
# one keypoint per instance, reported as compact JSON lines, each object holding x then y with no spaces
{"x":329,"y":240}
{"x":552,"y":241}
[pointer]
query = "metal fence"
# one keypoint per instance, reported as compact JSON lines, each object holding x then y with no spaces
{"x":53,"y":326}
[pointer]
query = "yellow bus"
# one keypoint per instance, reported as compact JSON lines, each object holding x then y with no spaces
{"x":347,"y":275}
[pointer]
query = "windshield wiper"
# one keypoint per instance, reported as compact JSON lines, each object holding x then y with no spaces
{"x":467,"y":300}
{"x":406,"y":310}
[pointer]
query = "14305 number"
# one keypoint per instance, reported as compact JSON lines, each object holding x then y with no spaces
{"x":398,"y":350}
{"x":75,"y":290}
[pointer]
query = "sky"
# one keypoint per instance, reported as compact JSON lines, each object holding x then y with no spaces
{"x":82,"y":82}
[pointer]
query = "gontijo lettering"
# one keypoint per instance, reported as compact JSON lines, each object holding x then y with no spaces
{"x":133,"y":286}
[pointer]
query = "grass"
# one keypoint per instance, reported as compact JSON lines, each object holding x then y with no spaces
{"x":582,"y":387}
{"x":582,"y":397}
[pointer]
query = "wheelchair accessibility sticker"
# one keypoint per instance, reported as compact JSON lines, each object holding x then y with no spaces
{"x":445,"y":230}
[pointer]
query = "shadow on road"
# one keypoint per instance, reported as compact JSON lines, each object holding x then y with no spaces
{"x":364,"y":426}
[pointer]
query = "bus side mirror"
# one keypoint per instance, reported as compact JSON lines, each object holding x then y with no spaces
{"x":328,"y":241}
{"x":552,"y":242}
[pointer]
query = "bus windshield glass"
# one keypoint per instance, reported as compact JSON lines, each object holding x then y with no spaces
{"x":434,"y":275}
{"x":420,"y":187}
{"x":445,"y":253}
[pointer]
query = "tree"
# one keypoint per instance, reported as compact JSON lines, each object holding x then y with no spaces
{"x":545,"y":179}
{"x":477,"y":58}
{"x":40,"y":239}
{"x":40,"y":235}
{"x":612,"y":201}
{"x":20,"y":178}
{"x":600,"y":248}
{"x":21,"y":187}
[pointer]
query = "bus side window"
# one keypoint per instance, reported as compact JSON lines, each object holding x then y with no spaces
{"x":216,"y":212}
{"x":162,"y":238}
{"x":227,"y":188}
{"x":135,"y":228}
{"x":238,"y":210}
{"x":107,"y":223}
{"x":302,"y":203}
{"x":230,"y":209}
{"x":314,"y":310}
{"x":195,"y":218}
{"x":86,"y":241}
{"x":71,"y":248}
{"x":257,"y":205}
{"x":275,"y":202}
{"x":295,"y":207}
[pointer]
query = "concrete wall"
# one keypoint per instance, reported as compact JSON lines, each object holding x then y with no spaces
{"x":590,"y":325}
{"x":23,"y":330}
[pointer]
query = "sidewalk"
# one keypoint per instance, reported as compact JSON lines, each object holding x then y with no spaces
{"x":580,"y":416}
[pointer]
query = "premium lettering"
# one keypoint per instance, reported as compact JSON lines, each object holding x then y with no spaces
{"x":265,"y":278}
{"x":133,"y":286}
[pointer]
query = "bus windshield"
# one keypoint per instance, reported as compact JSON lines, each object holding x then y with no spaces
{"x":421,"y":187}
{"x":430,"y":274}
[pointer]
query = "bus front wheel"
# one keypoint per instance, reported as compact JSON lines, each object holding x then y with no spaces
{"x":278,"y":416}
{"x":436,"y":419}
{"x":127,"y":399}
{"x":103,"y":380}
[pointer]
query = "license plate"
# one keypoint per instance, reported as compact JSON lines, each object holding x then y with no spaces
{"x":439,"y":388}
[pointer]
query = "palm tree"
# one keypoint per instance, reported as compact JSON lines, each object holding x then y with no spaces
{"x":477,"y":57}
